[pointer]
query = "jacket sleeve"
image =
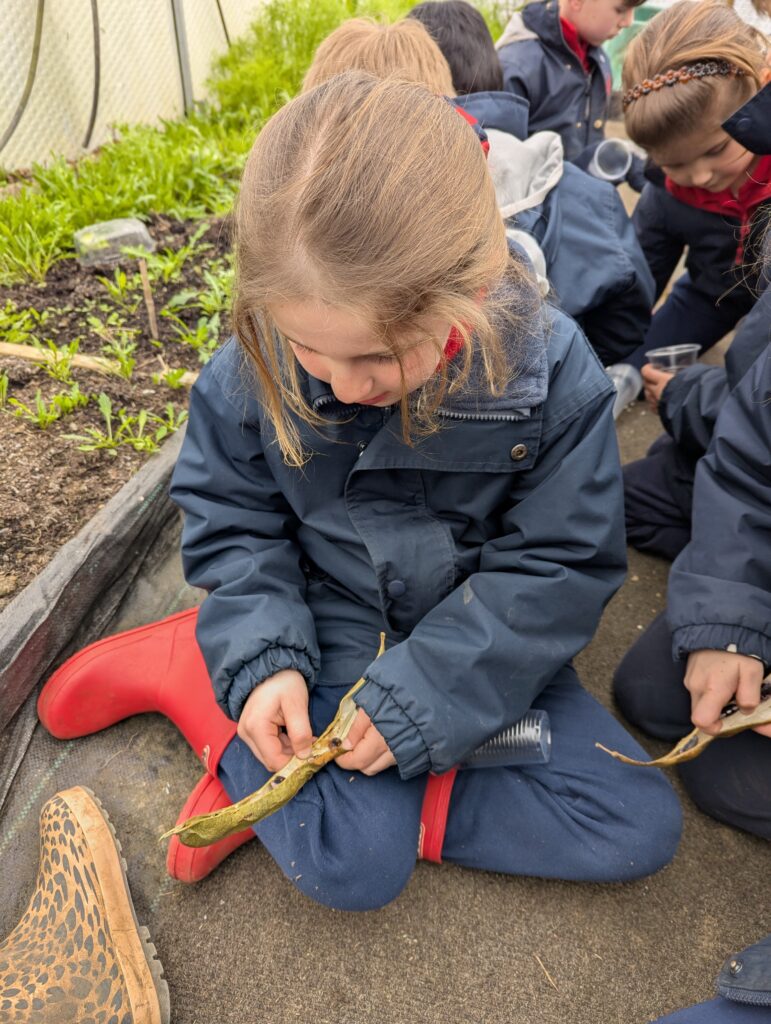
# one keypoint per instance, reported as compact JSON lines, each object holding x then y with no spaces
{"x":690,"y":405}
{"x":238,"y":543}
{"x":618,"y":320}
{"x":520,"y":74}
{"x":692,"y":400}
{"x":720,"y":584}
{"x":662,"y":248}
{"x":473,"y":665}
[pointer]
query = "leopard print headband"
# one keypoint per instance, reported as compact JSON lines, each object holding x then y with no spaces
{"x":687,"y":73}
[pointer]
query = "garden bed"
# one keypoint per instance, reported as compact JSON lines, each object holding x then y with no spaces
{"x":51,"y":486}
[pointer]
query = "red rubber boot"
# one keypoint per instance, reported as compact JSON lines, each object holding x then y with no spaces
{"x":191,"y":864}
{"x":159,"y":668}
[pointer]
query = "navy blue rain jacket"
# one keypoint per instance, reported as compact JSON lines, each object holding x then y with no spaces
{"x":692,"y":400}
{"x":486,"y":552}
{"x":720,"y":584}
{"x":540,"y":66}
{"x":596,"y":268}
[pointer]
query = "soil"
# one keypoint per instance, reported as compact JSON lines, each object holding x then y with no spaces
{"x":49,"y":488}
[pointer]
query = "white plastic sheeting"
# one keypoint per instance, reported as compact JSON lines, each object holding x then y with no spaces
{"x":73,"y":68}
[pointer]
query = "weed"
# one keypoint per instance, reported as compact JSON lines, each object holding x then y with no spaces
{"x":214,"y":298}
{"x":167,"y":265}
{"x":3,"y":390}
{"x":121,"y":348}
{"x":128,"y":430}
{"x":59,"y":364}
{"x":17,"y":325}
{"x":44,"y":414}
{"x":204,"y":338}
{"x":120,"y":289}
{"x":171,"y":378}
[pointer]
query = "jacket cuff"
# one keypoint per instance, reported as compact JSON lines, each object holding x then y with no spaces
{"x":717,"y":637}
{"x":256,"y":671}
{"x":400,"y":733}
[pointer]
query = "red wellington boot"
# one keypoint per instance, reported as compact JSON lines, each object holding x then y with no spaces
{"x":159,"y":668}
{"x":189,"y":863}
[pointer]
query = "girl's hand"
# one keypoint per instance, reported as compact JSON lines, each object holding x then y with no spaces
{"x":713,"y":678}
{"x":274,"y":723}
{"x":369,"y":752}
{"x":655,"y":381}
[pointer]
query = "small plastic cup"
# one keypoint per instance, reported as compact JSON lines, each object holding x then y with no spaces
{"x":611,"y":160}
{"x":102,"y":244}
{"x":673,"y":358}
{"x":628,"y":382}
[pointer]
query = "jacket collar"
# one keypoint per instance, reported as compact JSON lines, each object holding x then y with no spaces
{"x":751,"y":124}
{"x":501,"y":111}
{"x":524,"y":393}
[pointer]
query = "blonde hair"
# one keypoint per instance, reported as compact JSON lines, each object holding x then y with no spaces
{"x":689,"y":33}
{"x":404,"y":50}
{"x":374,"y":195}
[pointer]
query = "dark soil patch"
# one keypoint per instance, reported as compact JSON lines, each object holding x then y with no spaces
{"x":49,"y":488}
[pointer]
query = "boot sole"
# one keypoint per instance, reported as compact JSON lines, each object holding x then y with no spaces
{"x":142,"y":970}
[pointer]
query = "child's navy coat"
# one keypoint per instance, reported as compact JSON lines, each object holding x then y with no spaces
{"x":594,"y":262}
{"x":486,"y":552}
{"x":540,"y":66}
{"x":720,"y":584}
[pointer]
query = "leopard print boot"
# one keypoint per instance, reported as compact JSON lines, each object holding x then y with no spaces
{"x":78,"y":953}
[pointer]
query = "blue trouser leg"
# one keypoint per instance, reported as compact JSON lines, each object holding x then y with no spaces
{"x":581,"y":817}
{"x":688,"y":316}
{"x":731,"y":779}
{"x":658,"y":495}
{"x":350,"y":841}
{"x":718,"y":1011}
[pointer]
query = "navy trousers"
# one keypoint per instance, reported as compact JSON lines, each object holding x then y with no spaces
{"x":731,"y":780}
{"x":688,"y":316}
{"x":718,"y":1011}
{"x":349,"y":841}
{"x":658,"y":495}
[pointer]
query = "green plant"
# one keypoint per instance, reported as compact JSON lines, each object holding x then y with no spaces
{"x":17,"y":325}
{"x":58,"y":364}
{"x":3,"y":390}
{"x":128,"y":430}
{"x":120,"y":289}
{"x":171,"y":378}
{"x":213,"y":298}
{"x":44,"y":414}
{"x":204,"y":338}
{"x":167,"y":265}
{"x":121,"y":349}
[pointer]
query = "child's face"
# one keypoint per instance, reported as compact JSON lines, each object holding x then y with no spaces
{"x":337,"y":346}
{"x":597,"y":20}
{"x":708,"y":159}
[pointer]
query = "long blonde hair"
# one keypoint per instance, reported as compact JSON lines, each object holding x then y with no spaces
{"x":689,"y":33}
{"x":374,"y":195}
{"x":403,"y":49}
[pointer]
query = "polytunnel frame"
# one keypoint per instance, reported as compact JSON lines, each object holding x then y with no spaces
{"x":183,"y":62}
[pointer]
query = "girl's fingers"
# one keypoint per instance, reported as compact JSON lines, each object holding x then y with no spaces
{"x":706,"y":708}
{"x":368,"y":749}
{"x":748,"y":690}
{"x":298,"y":725}
{"x":360,"y":725}
{"x":386,"y":760}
